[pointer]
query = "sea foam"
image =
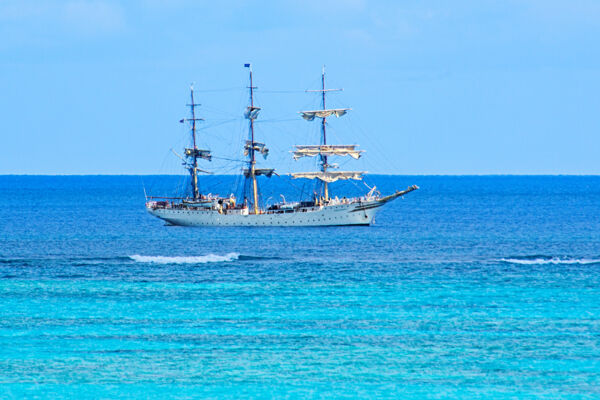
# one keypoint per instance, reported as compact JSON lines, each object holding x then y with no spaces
{"x":209,"y":258}
{"x":549,"y":260}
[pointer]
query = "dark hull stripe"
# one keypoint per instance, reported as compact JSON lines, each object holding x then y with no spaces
{"x":370,"y":207}
{"x":174,"y":223}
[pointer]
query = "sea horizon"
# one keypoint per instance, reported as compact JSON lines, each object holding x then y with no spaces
{"x":287,"y":174}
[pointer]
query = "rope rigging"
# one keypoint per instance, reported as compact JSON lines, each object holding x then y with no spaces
{"x":281,"y":156}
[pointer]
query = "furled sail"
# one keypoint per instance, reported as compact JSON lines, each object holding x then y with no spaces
{"x":327,"y":150}
{"x":310,"y":115}
{"x":258,"y":147}
{"x":260,"y":171}
{"x":198,"y":153}
{"x":330,"y":176}
{"x":252,"y":112}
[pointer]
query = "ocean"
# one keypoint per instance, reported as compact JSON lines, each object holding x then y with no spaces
{"x":473,"y":287}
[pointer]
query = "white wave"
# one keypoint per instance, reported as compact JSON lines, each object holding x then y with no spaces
{"x":553,"y":260}
{"x":209,"y":258}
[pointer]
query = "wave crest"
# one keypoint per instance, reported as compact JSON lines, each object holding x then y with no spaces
{"x":209,"y":258}
{"x":542,"y":260}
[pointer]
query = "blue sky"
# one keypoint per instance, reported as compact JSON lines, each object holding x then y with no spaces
{"x":436,"y":87}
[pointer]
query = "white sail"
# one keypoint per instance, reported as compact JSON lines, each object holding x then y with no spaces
{"x":258,"y":147}
{"x":327,"y":150}
{"x":199,"y":153}
{"x":310,"y":115}
{"x":261,"y":171}
{"x":251,"y":112}
{"x":330,"y":176}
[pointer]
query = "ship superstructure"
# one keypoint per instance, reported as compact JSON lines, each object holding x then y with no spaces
{"x":321,"y":210}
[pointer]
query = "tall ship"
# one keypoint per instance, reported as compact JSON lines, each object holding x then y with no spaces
{"x":323,"y":209}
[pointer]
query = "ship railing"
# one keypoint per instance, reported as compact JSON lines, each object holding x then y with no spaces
{"x":166,"y":198}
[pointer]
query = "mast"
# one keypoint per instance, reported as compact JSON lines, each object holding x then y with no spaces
{"x":252,"y":147}
{"x":252,"y":157}
{"x":195,"y":157}
{"x":194,"y":153}
{"x":328,"y":173}
{"x":324,"y":137}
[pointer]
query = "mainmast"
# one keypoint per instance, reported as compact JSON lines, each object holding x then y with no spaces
{"x":324,"y":150}
{"x":194,"y":153}
{"x":252,"y":158}
{"x":252,"y":147}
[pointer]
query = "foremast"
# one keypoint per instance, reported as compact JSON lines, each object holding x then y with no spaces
{"x":252,"y":147}
{"x":193,"y":154}
{"x":324,"y":151}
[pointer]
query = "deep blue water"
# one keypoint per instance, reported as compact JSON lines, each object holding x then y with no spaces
{"x":472,"y":287}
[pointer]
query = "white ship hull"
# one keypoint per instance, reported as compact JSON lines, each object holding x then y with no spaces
{"x":358,"y":213}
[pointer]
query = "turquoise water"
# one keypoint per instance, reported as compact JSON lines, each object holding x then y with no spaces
{"x":472,"y":287}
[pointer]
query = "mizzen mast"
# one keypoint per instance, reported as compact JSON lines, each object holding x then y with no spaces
{"x":193,"y":154}
{"x":324,"y":136}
